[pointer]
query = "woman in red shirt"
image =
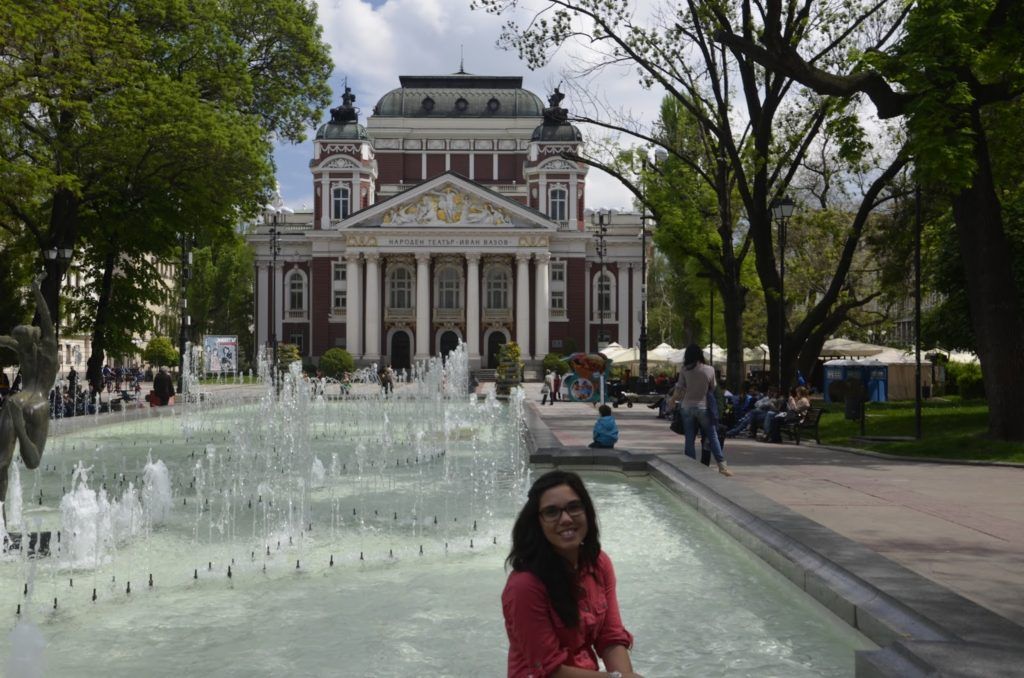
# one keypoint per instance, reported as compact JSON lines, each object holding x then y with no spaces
{"x":560,"y":607}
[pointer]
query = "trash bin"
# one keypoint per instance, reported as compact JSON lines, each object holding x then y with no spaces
{"x":854,"y":393}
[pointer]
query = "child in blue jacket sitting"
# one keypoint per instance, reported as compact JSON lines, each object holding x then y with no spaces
{"x":606,"y":432}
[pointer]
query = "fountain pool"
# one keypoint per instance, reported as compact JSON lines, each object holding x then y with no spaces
{"x":362,"y":537}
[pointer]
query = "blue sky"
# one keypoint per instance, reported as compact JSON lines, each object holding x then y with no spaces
{"x":374,"y":41}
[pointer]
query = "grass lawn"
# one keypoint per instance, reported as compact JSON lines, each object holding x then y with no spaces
{"x":951,"y":429}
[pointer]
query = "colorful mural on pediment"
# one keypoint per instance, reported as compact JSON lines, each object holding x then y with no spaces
{"x":447,"y":205}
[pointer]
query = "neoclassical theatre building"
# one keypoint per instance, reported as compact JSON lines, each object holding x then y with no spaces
{"x":451,"y":216}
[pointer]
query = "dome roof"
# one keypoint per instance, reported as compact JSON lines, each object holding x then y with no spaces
{"x":461,"y":95}
{"x":563,"y":132}
{"x":345,"y":130}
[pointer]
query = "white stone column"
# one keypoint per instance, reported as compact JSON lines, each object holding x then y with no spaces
{"x":473,"y":308}
{"x":325,"y":201}
{"x":422,"y":306}
{"x":573,"y":201}
{"x":356,"y":202}
{"x":372,"y":313}
{"x":622,"y":305}
{"x":353,"y":314}
{"x":541,"y":309}
{"x":542,"y":194}
{"x":638,"y":306}
{"x":523,"y":304}
{"x":276,"y":313}
{"x":262,"y":297}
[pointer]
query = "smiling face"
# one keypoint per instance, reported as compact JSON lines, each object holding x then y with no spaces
{"x":566,"y":530}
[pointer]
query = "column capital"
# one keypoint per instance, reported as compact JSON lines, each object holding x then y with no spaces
{"x":473,"y":257}
{"x":523,"y":257}
{"x":352,"y":257}
{"x":423,"y":257}
{"x":542,"y":257}
{"x":372,"y":257}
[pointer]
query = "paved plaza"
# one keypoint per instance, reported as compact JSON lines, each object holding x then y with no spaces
{"x":959,"y":525}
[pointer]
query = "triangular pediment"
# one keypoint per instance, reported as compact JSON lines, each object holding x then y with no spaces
{"x":449,"y":201}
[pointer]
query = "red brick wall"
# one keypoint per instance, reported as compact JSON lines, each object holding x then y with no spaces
{"x":411,"y":165}
{"x":389,"y":168}
{"x":510,"y":168}
{"x":320,"y":304}
{"x":484,"y":168}
{"x":435,"y":164}
{"x":460,"y":164}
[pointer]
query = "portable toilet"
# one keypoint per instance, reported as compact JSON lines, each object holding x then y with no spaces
{"x":837,"y":372}
{"x":876,"y":379}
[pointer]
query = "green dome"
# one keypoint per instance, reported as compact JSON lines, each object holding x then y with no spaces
{"x":346,"y":130}
{"x":460,"y":96}
{"x":563,"y":132}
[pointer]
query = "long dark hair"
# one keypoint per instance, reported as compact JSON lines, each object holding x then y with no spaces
{"x":532,"y":552}
{"x":692,"y":355}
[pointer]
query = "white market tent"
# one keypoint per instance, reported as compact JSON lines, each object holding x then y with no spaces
{"x":848,"y":348}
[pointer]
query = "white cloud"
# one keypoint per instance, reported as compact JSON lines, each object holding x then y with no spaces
{"x":373,"y":46}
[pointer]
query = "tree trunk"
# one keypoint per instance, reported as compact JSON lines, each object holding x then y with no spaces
{"x":991,"y":288}
{"x":733,"y":302}
{"x":94,"y":367}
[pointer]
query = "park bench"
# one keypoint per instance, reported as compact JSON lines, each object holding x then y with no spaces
{"x":809,"y":422}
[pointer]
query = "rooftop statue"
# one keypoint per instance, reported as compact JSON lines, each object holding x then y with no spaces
{"x":554,"y":114}
{"x":25,"y":415}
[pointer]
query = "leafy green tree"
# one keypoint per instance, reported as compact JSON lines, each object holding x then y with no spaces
{"x":736,"y":135}
{"x":335,"y":362}
{"x":160,"y":351}
{"x":952,"y":75}
{"x":220,"y":293}
{"x":124,"y":126}
{"x":286,"y":355}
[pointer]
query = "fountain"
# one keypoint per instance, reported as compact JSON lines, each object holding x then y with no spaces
{"x":304,"y":535}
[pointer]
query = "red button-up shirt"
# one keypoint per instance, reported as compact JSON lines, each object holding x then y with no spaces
{"x":539,"y":642}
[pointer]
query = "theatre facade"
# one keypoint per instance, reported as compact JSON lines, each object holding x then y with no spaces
{"x":453,"y":215}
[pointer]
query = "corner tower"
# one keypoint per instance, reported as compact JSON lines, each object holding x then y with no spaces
{"x":554,"y":180}
{"x":344,"y":166}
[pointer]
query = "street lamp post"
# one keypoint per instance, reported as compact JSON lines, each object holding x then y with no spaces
{"x":601,"y":220}
{"x":782,"y":210}
{"x":184,"y":277}
{"x":660,"y":155}
{"x":61,"y":255}
{"x":275,"y":249}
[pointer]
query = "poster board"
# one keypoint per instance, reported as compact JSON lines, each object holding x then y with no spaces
{"x":220,"y":354}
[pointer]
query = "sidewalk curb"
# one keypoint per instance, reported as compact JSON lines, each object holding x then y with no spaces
{"x":922,"y":460}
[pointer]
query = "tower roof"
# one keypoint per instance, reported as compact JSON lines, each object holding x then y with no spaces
{"x":344,"y":122}
{"x":460,"y":95}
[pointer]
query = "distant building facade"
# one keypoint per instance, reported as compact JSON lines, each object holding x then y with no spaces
{"x":451,"y":216}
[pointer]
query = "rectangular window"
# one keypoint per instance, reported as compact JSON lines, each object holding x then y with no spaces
{"x":339,"y":272}
{"x":340,"y":300}
{"x":339,"y":287}
{"x":340,"y":203}
{"x":557,"y":302}
{"x":557,"y":288}
{"x":558,"y":271}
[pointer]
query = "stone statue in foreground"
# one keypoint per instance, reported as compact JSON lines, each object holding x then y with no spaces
{"x":25,"y":415}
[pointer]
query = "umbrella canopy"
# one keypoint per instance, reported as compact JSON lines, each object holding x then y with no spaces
{"x":662,"y":353}
{"x":631,"y":356}
{"x":848,"y":348}
{"x":612,"y":350}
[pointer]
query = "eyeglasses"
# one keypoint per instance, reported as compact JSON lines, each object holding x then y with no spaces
{"x":550,"y":514}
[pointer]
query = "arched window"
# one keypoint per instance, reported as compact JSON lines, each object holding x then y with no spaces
{"x":400,"y":287}
{"x":449,"y":288}
{"x":497,"y":284}
{"x":295,"y":285}
{"x":340,"y":204}
{"x":558,"y":204}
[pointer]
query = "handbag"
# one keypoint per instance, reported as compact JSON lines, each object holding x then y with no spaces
{"x":676,"y":425}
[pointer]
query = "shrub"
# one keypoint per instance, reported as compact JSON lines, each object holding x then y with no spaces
{"x":553,"y":361}
{"x":160,"y":351}
{"x":966,"y":379}
{"x":336,"y":362}
{"x":286,"y":355}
